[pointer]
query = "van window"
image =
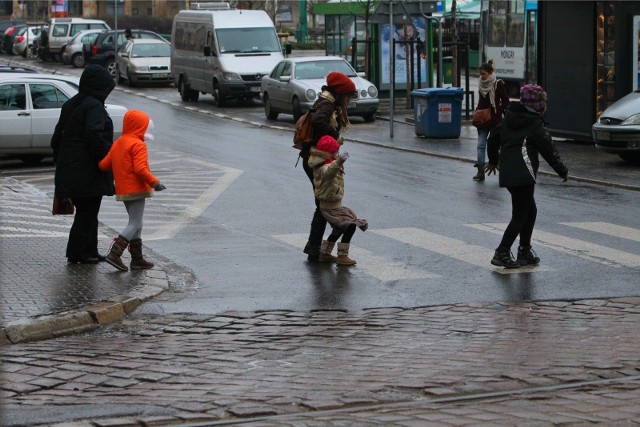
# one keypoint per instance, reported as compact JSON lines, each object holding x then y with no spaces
{"x":97,"y":26}
{"x":247,"y":40}
{"x":60,"y":30}
{"x":190,"y":36}
{"x":76,"y":28}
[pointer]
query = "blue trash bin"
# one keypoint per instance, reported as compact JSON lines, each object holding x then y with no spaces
{"x":438,"y":112}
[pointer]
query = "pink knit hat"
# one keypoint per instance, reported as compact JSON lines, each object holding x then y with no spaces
{"x":328,"y":144}
{"x":534,"y":96}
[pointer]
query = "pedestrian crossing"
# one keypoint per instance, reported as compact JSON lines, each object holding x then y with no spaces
{"x":471,"y":253}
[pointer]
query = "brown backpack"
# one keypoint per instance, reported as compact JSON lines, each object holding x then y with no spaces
{"x":303,"y":135}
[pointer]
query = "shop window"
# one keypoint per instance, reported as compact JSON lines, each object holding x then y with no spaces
{"x":605,"y":56}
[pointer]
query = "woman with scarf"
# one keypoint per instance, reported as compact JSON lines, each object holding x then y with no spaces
{"x":329,"y":118}
{"x":493,"y":95}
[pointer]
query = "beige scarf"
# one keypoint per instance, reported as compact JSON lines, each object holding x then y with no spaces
{"x":339,"y":116}
{"x":489,"y":87}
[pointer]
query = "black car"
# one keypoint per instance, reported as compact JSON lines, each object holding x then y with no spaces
{"x":8,"y":37}
{"x":4,"y":25}
{"x":103,"y":50}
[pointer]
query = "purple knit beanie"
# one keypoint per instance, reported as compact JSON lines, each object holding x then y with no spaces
{"x":534,"y":96}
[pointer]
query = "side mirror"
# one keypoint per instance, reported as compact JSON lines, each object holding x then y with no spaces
{"x":124,"y":54}
{"x":285,"y":78}
{"x":207,"y":51}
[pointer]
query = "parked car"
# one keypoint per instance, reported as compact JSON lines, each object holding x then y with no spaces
{"x":29,"y":111}
{"x":295,"y":83}
{"x":25,"y":39}
{"x":103,"y":49}
{"x":17,"y":69}
{"x":144,"y":61}
{"x":4,"y":25}
{"x":9,"y":36}
{"x":76,"y":50}
{"x":61,"y":30}
{"x":617,"y":130}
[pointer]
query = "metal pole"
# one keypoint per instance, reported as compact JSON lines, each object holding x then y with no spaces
{"x":115,"y":14}
{"x":392,"y":77}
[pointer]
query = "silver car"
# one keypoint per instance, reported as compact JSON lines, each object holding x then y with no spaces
{"x":74,"y":51}
{"x":144,"y":61}
{"x":24,"y":39}
{"x":617,"y":130}
{"x":295,"y":83}
{"x":29,"y":111}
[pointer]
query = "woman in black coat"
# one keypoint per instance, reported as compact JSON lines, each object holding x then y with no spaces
{"x":82,"y":137}
{"x":513,"y":149}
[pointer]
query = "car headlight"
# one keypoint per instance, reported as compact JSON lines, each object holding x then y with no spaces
{"x":373,"y":91}
{"x":142,"y":68}
{"x":310,"y":94}
{"x":231,"y":76}
{"x":633,"y":120}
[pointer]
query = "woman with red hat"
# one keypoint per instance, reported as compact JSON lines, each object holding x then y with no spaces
{"x":329,"y":118}
{"x":327,"y":163}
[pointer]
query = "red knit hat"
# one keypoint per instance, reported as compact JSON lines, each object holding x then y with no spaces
{"x":328,"y":144}
{"x":342,"y":84}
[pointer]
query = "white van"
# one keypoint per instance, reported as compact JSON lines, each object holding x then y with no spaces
{"x":62,"y":30}
{"x":222,"y":52}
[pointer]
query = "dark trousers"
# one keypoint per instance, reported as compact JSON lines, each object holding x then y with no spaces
{"x":83,"y":236}
{"x":318,"y":223}
{"x":523,"y":217}
{"x":346,"y":236}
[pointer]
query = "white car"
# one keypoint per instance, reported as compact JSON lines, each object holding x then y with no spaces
{"x":24,"y":35}
{"x":144,"y":61}
{"x":30,"y":107}
{"x":74,"y":51}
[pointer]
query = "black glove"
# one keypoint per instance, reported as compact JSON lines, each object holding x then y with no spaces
{"x":159,"y":186}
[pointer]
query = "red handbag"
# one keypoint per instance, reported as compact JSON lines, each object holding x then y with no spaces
{"x":482,"y":118}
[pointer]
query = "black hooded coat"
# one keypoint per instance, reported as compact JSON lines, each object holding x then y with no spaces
{"x":515,"y":144}
{"x":83,"y":136}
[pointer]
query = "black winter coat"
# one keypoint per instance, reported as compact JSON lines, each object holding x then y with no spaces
{"x":83,"y":136}
{"x":515,"y":144}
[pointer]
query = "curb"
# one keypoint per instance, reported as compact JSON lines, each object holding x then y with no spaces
{"x":88,"y":318}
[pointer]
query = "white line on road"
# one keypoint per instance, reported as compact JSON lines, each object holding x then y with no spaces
{"x":608,"y":229}
{"x":457,"y":249}
{"x":587,"y":250}
{"x":372,"y":264}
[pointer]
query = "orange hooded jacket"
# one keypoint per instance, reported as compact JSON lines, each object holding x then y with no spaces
{"x":128,"y":159}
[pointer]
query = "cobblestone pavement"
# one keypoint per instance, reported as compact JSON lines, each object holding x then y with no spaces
{"x":545,"y":363}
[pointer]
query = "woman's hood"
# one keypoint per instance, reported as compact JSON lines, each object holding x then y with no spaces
{"x":97,"y":82}
{"x":135,"y":122}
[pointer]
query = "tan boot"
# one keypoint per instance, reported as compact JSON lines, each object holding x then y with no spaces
{"x":480,"y":175}
{"x":137,"y":260}
{"x":325,"y":252}
{"x":343,"y":255}
{"x":117,"y":247}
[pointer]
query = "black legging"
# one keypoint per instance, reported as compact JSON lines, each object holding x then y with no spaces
{"x":318,"y":223}
{"x":83,"y":236}
{"x":523,"y":217}
{"x":346,"y":236}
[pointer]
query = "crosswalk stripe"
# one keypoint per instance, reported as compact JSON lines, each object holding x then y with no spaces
{"x":580,"y":248}
{"x":457,"y":249}
{"x":368,"y":262}
{"x":608,"y":229}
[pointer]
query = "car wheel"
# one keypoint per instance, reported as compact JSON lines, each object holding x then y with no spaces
{"x":112,"y":68}
{"x":217,"y":96}
{"x":31,"y":159}
{"x":268,"y":109}
{"x":369,"y":117}
{"x":77,"y":60}
{"x":296,"y":109}
{"x":630,"y":157}
{"x":130,"y":81}
{"x":186,"y":93}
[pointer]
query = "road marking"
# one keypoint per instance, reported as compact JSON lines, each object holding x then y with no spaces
{"x":457,"y":249}
{"x":586,"y":250}
{"x":372,"y":264}
{"x":608,"y":229}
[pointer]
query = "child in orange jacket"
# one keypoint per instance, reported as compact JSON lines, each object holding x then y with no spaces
{"x":134,"y":183}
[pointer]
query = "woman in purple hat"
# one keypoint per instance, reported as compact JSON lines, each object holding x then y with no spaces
{"x":513,"y":150}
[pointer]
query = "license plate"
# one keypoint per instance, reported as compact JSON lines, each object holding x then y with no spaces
{"x":158,"y":76}
{"x":602,"y":135}
{"x":255,"y":88}
{"x":351,"y":105}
